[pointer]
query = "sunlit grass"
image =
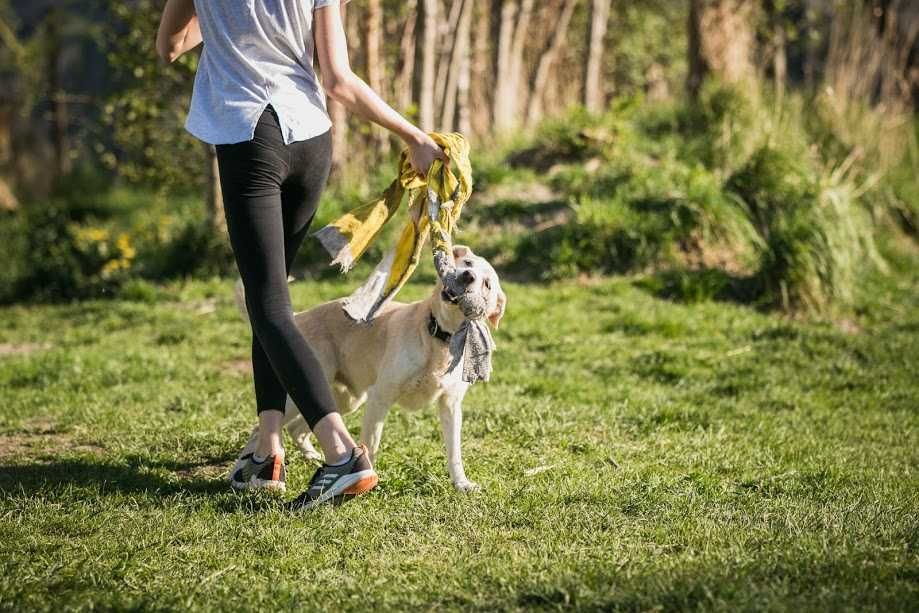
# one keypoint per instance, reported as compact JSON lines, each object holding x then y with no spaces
{"x":634,"y":453}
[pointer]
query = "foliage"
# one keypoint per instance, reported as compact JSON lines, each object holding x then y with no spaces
{"x":84,"y":243}
{"x":732,"y":182}
{"x":147,"y":110}
{"x":817,"y":237}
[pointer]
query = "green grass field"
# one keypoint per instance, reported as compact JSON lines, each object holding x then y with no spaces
{"x":636,"y":454}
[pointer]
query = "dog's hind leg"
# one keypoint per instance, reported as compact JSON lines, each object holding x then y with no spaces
{"x":299,"y":431}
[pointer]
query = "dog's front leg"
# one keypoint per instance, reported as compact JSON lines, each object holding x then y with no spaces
{"x":377,"y":407}
{"x":451,"y":422}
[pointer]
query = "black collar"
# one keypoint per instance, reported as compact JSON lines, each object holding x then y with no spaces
{"x":436,"y":331}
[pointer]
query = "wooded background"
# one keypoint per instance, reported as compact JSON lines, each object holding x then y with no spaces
{"x":81,"y":84}
{"x":658,"y":127}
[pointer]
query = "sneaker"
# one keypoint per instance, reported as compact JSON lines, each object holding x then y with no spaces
{"x":269,"y":474}
{"x":335,"y":483}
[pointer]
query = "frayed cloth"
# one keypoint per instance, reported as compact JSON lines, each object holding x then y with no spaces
{"x":472,"y":345}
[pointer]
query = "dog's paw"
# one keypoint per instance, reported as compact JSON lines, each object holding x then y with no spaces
{"x":467,"y":486}
{"x":310,"y":455}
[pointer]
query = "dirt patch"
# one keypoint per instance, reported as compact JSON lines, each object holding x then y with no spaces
{"x":848,"y":326}
{"x":22,"y":348}
{"x":40,"y":438}
{"x":698,"y":254}
{"x":520,"y":192}
{"x":239,"y":368}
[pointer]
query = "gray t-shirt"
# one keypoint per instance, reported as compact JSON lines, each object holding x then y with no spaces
{"x":256,"y":53}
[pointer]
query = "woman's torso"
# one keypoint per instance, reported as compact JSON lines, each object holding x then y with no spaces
{"x":256,"y":52}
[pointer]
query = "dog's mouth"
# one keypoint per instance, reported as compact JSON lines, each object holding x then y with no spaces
{"x":448,"y":296}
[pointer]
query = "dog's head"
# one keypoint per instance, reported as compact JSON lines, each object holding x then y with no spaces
{"x":478,"y":277}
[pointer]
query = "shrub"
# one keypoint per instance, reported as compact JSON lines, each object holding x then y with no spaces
{"x":815,"y":234}
{"x":64,"y":260}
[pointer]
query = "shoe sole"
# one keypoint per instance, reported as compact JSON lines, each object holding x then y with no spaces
{"x":348,"y":486}
{"x":259,"y":484}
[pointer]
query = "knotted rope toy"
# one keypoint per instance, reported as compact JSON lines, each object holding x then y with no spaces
{"x":435,"y":202}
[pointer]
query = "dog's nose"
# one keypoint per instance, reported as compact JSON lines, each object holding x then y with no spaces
{"x":467,"y":277}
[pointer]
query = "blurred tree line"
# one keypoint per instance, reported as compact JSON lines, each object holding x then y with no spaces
{"x":83,"y":90}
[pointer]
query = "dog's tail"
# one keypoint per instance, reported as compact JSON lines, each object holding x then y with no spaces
{"x":239,"y":293}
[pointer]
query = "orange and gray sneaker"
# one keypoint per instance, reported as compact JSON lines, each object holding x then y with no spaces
{"x":269,"y":474}
{"x":337,"y":483}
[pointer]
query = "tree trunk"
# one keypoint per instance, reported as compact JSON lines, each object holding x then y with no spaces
{"x":464,"y":121}
{"x":594,"y":98}
{"x":376,"y":66}
{"x":215,"y":214}
{"x":721,"y":36}
{"x":59,"y":115}
{"x":779,"y":63}
{"x":482,"y":76}
{"x":428,"y":65}
{"x":547,"y":61}
{"x":339,"y":117}
{"x":503,"y":100}
{"x":459,"y":63}
{"x":407,"y":58}
{"x":518,"y":86}
{"x":447,"y":39}
{"x":510,"y":62}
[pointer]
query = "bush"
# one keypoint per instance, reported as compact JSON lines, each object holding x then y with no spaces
{"x":726,"y":184}
{"x":815,"y":234}
{"x":13,"y":230}
{"x":64,"y":260}
{"x":89,"y":245}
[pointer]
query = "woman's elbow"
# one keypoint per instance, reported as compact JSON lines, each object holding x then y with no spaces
{"x":339,"y":86}
{"x":166,"y":50}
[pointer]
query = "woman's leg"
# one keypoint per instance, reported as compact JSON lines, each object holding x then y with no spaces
{"x":251,"y":176}
{"x":310,"y":162}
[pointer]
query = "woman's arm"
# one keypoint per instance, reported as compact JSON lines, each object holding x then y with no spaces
{"x":179,"y":31}
{"x":342,"y":85}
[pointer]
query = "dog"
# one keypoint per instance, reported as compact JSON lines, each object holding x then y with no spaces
{"x":399,"y":358}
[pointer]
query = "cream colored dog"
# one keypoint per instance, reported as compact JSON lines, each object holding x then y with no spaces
{"x":396,"y":360}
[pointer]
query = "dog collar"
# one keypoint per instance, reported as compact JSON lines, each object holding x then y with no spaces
{"x":436,"y":331}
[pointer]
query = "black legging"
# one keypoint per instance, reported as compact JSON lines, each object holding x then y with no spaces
{"x":270,"y":195}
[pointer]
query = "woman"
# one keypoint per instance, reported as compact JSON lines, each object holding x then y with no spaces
{"x":258,"y":100}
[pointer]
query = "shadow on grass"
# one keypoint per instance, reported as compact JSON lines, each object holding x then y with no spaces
{"x":131,"y":476}
{"x":526,"y":212}
{"x":703,"y":285}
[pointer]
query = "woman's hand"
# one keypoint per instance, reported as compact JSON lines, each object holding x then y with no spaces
{"x":423,"y":151}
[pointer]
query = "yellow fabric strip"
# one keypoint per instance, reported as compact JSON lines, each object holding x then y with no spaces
{"x":435,"y":203}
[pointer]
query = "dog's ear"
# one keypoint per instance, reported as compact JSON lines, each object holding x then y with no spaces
{"x":494,"y":318}
{"x":460,"y":251}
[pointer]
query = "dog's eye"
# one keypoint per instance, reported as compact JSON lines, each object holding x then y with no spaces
{"x":467,"y":262}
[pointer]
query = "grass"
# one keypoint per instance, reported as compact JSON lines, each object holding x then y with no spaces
{"x":703,"y":456}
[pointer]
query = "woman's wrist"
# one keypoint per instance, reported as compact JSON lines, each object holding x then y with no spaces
{"x":412,"y":135}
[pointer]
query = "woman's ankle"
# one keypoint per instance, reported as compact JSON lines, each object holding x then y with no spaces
{"x":334,"y":438}
{"x":268,"y":451}
{"x":269,"y":439}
